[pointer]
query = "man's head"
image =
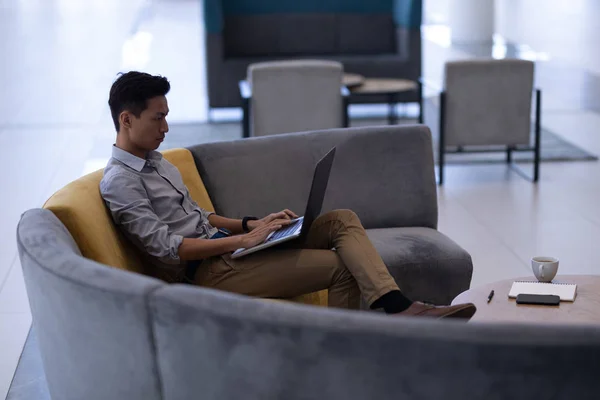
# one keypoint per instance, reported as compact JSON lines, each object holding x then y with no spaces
{"x":138,"y":107}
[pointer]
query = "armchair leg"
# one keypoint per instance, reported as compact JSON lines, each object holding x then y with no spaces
{"x":537,"y":145}
{"x":245,"y":118}
{"x":345,"y":118}
{"x":442,"y":142}
{"x":538,"y":135}
{"x":441,"y":167}
{"x":392,"y":109}
{"x":420,"y":95}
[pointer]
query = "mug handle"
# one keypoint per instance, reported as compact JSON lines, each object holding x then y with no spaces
{"x":541,"y":270}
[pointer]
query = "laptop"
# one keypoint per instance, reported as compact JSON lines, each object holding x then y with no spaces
{"x":300,"y":226}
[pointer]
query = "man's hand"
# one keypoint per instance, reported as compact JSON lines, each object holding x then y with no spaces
{"x":282,"y":215}
{"x":259,"y":235}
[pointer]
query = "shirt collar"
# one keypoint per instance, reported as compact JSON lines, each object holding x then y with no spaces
{"x":132,"y":161}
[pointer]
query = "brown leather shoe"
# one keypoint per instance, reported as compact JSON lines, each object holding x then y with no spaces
{"x":418,"y":309}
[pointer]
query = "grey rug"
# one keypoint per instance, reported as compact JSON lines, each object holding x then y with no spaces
{"x":554,"y":148}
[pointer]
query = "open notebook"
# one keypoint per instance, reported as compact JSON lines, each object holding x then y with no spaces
{"x":566,"y":291}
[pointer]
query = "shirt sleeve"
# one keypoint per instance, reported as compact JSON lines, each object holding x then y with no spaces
{"x":130,"y":208}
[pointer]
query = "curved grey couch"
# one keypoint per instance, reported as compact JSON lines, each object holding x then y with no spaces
{"x":110,"y":334}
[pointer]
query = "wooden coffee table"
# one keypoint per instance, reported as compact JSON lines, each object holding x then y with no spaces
{"x":392,"y":89}
{"x":584,"y":310}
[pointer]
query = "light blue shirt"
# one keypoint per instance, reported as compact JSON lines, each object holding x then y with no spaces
{"x":150,"y":203}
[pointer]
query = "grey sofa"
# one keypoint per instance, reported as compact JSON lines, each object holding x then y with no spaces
{"x":105,"y":333}
{"x":375,"y":38}
{"x":384,"y":174}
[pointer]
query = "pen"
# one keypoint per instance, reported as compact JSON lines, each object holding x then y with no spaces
{"x":490,"y":296}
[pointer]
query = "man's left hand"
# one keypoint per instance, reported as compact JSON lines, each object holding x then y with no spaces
{"x":285,"y":214}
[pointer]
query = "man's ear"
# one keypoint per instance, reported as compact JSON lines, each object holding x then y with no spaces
{"x":125,"y":119}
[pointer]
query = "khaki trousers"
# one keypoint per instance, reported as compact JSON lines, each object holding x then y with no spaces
{"x":352,"y":269}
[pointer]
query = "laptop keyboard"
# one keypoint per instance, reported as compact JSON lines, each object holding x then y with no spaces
{"x":283,"y":232}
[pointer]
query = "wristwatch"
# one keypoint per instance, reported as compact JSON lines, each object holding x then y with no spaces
{"x":245,"y":223}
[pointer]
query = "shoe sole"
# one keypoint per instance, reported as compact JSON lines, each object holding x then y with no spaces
{"x":465,"y":312}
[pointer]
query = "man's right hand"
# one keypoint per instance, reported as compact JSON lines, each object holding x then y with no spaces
{"x":259,"y":235}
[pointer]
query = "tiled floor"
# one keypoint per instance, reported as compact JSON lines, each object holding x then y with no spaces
{"x":60,"y":56}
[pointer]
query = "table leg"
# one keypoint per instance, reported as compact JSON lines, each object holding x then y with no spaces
{"x":420,"y":96}
{"x":392,"y":115}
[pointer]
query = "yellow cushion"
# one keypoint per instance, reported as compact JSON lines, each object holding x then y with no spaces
{"x":184,"y":161}
{"x":314,"y":298}
{"x":80,"y":207}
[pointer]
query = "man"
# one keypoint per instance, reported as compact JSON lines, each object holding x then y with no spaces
{"x":149,"y":202}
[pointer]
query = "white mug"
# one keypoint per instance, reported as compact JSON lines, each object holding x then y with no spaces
{"x":544,"y":268}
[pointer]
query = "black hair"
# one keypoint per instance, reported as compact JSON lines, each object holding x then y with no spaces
{"x":131,"y":92}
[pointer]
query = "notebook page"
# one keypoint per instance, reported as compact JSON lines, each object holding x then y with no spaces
{"x":565,"y":291}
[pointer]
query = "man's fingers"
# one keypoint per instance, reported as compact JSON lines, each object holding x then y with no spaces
{"x":273,"y":226}
{"x":283,"y":215}
{"x":264,"y":231}
{"x":290,"y":213}
{"x":270,"y":227}
{"x":272,"y":217}
{"x":278,"y":222}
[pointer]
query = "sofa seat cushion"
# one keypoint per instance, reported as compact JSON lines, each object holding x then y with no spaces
{"x":426,"y":264}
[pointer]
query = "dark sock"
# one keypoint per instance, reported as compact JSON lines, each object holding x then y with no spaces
{"x":392,"y":302}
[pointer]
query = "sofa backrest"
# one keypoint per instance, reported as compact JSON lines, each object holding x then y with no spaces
{"x":384,"y":174}
{"x":309,"y":27}
{"x":92,"y":322}
{"x":79,"y":206}
{"x":292,"y":35}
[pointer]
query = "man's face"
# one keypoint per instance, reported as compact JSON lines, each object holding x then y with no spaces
{"x":148,"y":131}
